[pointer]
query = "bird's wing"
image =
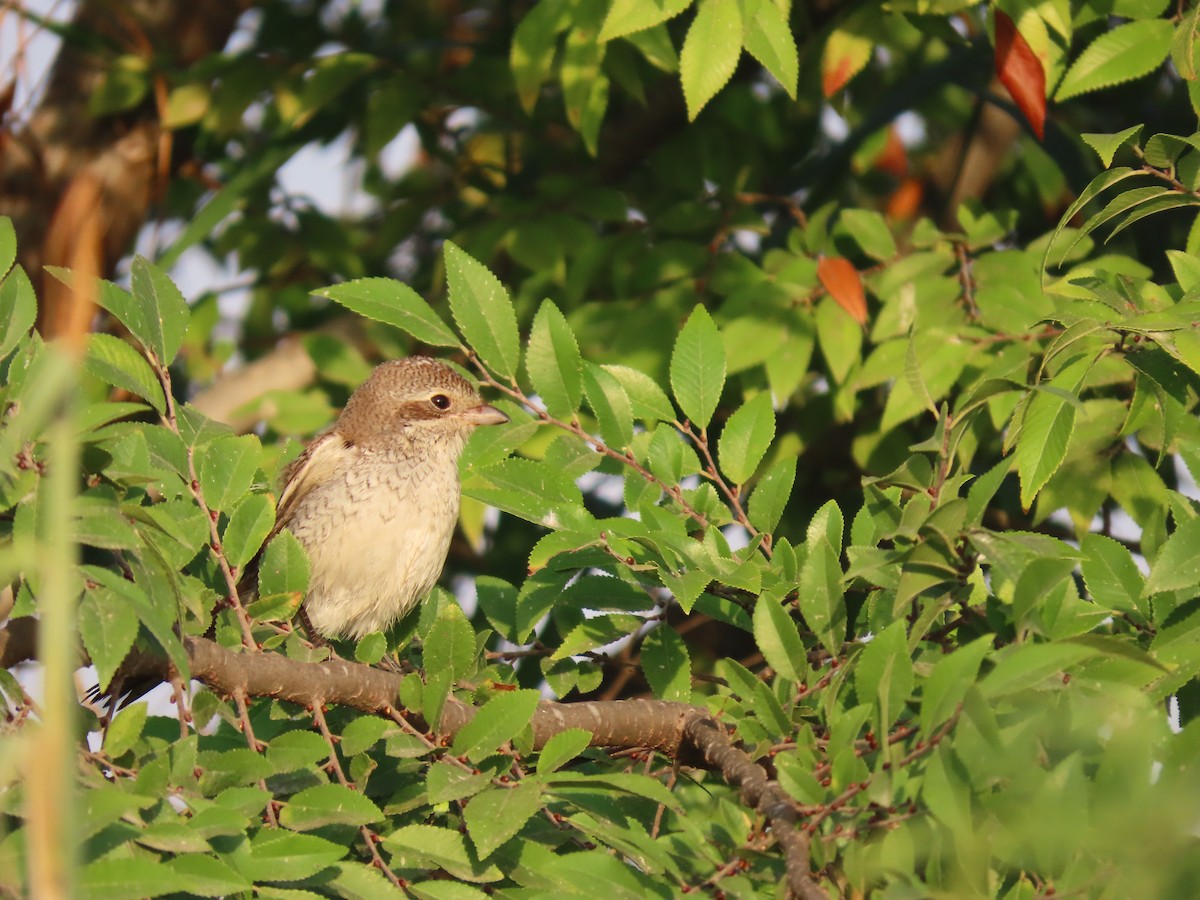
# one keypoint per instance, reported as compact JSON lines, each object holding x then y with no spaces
{"x":315,"y":465}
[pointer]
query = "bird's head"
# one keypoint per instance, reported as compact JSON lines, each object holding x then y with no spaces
{"x":416,"y":398}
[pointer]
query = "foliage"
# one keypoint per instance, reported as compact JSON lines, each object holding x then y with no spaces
{"x":937,"y":575}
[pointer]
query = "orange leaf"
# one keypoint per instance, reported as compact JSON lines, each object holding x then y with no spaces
{"x":841,"y":279}
{"x":1021,"y":72}
{"x":905,"y":202}
{"x":893,"y":158}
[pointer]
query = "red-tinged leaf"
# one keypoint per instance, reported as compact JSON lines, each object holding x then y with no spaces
{"x":1021,"y":72}
{"x":893,"y":158}
{"x":845,"y":55}
{"x":841,"y":279}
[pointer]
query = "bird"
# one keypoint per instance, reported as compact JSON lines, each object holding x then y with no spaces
{"x":374,"y":498}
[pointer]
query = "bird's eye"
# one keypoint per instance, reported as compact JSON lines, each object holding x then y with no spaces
{"x":440,"y":401}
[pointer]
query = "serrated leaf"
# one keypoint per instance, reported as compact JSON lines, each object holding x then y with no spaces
{"x":226,"y":469}
{"x":884,"y":674}
{"x":1042,"y":445}
{"x":496,"y":816}
{"x":136,"y":877}
{"x":125,"y":730}
{"x":499,"y":720}
{"x":450,"y":646}
{"x":778,"y":639}
{"x":553,"y":362}
{"x":277,"y":855}
{"x":771,"y":494}
{"x":441,"y":847}
{"x":667,"y":664}
{"x":327,"y":804}
{"x":698,"y":367}
{"x":117,"y":363}
{"x":206,"y":876}
{"x":248,"y":527}
{"x":483,"y":311}
{"x":295,"y":750}
{"x":561,"y":748}
{"x":769,"y":40}
{"x":710,"y":52}
{"x":746,"y":438}
{"x":108,"y":628}
{"x":18,"y":306}
{"x":1126,"y":52}
{"x":1110,"y":573}
{"x":284,"y":568}
{"x":648,"y":401}
{"x":629,"y":16}
{"x":949,"y":682}
{"x":162,"y":318}
{"x":8,"y":246}
{"x":393,"y":303}
{"x":610,"y":403}
{"x":820,"y":595}
{"x":1177,"y":565}
{"x":1107,"y":145}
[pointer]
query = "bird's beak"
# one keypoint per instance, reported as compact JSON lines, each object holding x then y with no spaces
{"x":484,"y":415}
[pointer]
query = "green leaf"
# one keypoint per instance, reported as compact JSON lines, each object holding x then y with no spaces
{"x":206,"y":876}
{"x":746,"y":438}
{"x":115,"y":362}
{"x":1027,"y":665}
{"x":296,"y":750}
{"x":667,"y":664}
{"x":277,"y":855}
{"x":949,"y":682}
{"x":869,"y":230}
{"x":18,"y":307}
{"x":387,"y":300}
{"x":108,"y":628}
{"x":648,"y":401}
{"x":226,"y":468}
{"x":698,"y":367}
{"x":127,"y":877}
{"x":553,"y":362}
{"x":440,"y":847}
{"x":820,"y":595}
{"x":125,"y":730}
{"x":162,"y":318}
{"x":769,"y":40}
{"x":840,"y":338}
{"x":629,"y":16}
{"x":610,"y":403}
{"x":771,"y":494}
{"x":248,"y":527}
{"x":710,"y":52}
{"x":483,"y":311}
{"x":499,"y":720}
{"x":884,"y":674}
{"x":561,"y":748}
{"x":284,"y":568}
{"x":585,"y":84}
{"x":1177,"y":565}
{"x":778,"y":639}
{"x":8,"y":247}
{"x":450,"y":646}
{"x":1126,"y":52}
{"x":327,"y":804}
{"x":498,"y":814}
{"x":1107,"y":145}
{"x":363,"y":733}
{"x":535,"y":41}
{"x":1042,"y":445}
{"x":1110,"y":574}
{"x":498,"y":600}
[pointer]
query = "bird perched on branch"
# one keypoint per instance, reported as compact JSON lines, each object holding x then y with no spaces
{"x":374,"y":498}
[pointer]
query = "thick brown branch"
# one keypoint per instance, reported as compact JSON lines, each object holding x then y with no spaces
{"x":761,"y":793}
